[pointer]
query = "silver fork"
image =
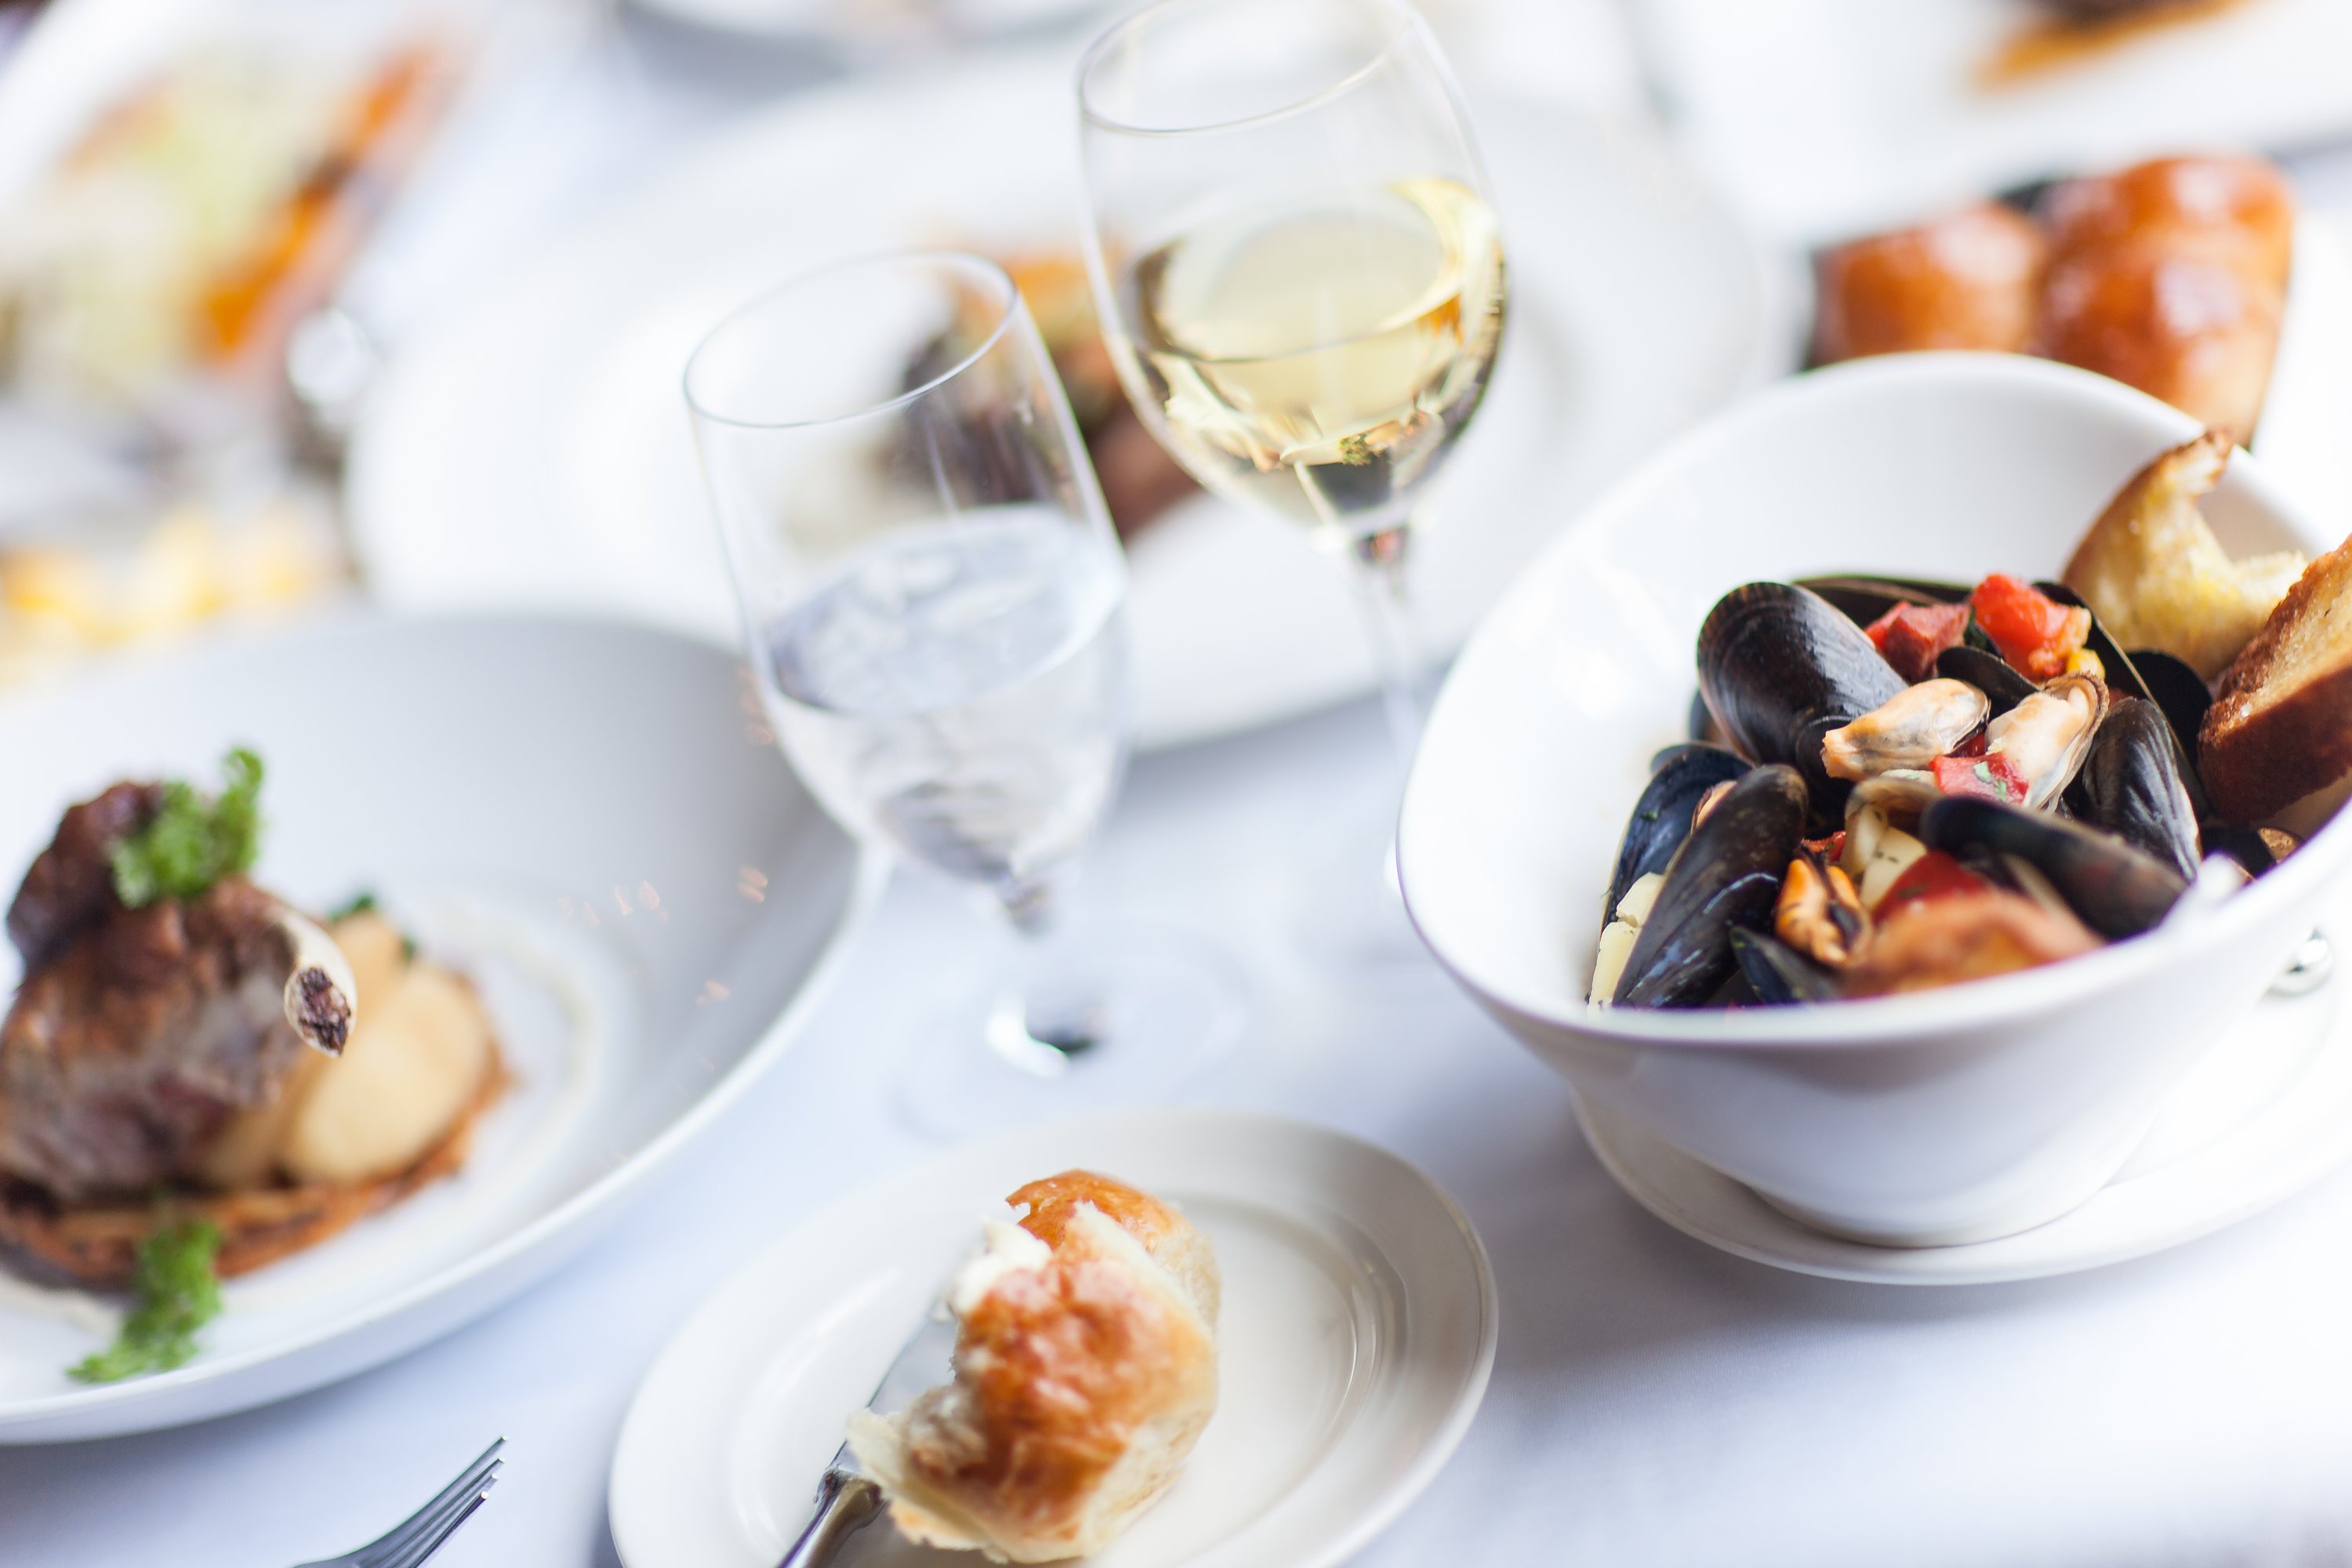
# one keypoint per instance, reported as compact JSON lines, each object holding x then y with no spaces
{"x":420,"y":1535}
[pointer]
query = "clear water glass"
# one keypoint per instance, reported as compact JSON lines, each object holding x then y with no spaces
{"x":931,"y":602}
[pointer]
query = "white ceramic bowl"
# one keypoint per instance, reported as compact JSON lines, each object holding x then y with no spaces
{"x":1953,"y":1116}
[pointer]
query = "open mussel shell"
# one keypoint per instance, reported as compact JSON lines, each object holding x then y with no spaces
{"x":1778,"y":973}
{"x":1864,"y":597}
{"x":1724,"y":877}
{"x":2122,"y":675}
{"x":2117,"y":891}
{"x":1662,"y":818}
{"x":1988,"y":672}
{"x":2178,"y":690}
{"x":1780,"y":667}
{"x":2135,"y":783}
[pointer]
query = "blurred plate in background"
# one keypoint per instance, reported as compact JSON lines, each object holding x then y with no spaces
{"x":1828,"y":118}
{"x":535,"y":449}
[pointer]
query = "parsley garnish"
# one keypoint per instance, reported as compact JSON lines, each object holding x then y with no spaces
{"x":359,"y":903}
{"x":194,"y":840}
{"x":178,"y":1294}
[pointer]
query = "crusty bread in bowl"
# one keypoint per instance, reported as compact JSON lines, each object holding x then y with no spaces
{"x":2281,"y":723}
{"x":1086,"y":1369}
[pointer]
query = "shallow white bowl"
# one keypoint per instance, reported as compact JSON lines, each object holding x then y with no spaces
{"x":583,"y":816}
{"x":1964,"y":1114}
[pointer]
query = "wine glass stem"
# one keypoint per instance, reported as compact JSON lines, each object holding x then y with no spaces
{"x":1049,"y":1010}
{"x":1377,"y":566}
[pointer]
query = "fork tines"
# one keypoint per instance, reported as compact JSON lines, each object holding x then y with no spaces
{"x":421,"y":1535}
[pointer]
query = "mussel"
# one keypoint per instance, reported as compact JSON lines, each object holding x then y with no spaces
{"x":1864,"y":598}
{"x":2047,"y":737}
{"x":1910,"y":729}
{"x":1780,"y":668}
{"x":2179,"y":691}
{"x":2117,"y":891}
{"x":2118,"y":668}
{"x":1988,"y":672}
{"x":1724,"y":877}
{"x":1662,"y":818}
{"x":1778,"y":973}
{"x":2135,"y":785}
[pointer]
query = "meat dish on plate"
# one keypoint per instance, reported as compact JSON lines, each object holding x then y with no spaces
{"x":195,"y":1075}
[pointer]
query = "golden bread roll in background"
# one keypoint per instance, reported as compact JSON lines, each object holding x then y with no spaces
{"x":1968,"y":280}
{"x":2171,"y":277}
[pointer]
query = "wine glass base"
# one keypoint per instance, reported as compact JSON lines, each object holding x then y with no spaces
{"x":1122,"y":1013}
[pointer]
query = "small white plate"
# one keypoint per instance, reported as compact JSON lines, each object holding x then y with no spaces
{"x":1357,"y":1335}
{"x":585,"y":818}
{"x":534,"y":449}
{"x":2264,"y":1114}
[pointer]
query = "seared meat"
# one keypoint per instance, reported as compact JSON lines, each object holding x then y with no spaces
{"x":125,"y":1054}
{"x":71,"y":884}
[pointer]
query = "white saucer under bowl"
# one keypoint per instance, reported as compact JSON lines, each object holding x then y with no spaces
{"x":2266,"y":1112}
{"x":1357,"y":1335}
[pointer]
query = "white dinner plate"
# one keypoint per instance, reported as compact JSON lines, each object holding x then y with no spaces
{"x":580,"y":815}
{"x":2264,"y":1114}
{"x":1354,"y":1344}
{"x":535,"y":449}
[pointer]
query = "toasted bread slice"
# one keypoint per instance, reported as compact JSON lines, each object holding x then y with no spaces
{"x":2281,"y":723}
{"x":2152,"y":572}
{"x":97,"y":1245}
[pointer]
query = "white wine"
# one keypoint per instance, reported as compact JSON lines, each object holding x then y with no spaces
{"x":1321,"y":361}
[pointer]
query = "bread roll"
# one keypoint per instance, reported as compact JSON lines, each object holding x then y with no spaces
{"x":2281,"y":723}
{"x":2242,"y":196}
{"x":1964,"y":281}
{"x":2171,"y":277}
{"x":1086,"y":1368}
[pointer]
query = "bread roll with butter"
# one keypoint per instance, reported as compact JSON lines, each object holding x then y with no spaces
{"x":1085,"y":1367}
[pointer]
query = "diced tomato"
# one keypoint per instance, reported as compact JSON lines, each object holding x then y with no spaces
{"x":1829,"y":850}
{"x":1991,"y":778}
{"x":1909,"y":637}
{"x":2034,"y":632}
{"x":1934,"y":874}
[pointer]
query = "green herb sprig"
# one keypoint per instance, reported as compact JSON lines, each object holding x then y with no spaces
{"x":178,"y":1293}
{"x":196,"y":839}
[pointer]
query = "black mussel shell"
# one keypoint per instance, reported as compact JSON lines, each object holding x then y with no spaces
{"x":1778,"y":973}
{"x":1662,"y":818}
{"x":1864,"y":598}
{"x":2117,"y":891}
{"x":1988,"y":672}
{"x":2121,"y":675}
{"x":2178,"y":690}
{"x":1703,"y":726}
{"x":1780,"y":667}
{"x":2135,"y":783}
{"x":2244,"y":845}
{"x":1724,"y":877}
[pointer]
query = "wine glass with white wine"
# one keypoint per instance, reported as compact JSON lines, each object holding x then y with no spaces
{"x":1300,"y":275}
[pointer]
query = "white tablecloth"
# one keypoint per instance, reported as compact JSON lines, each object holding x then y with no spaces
{"x":1653,"y":1401}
